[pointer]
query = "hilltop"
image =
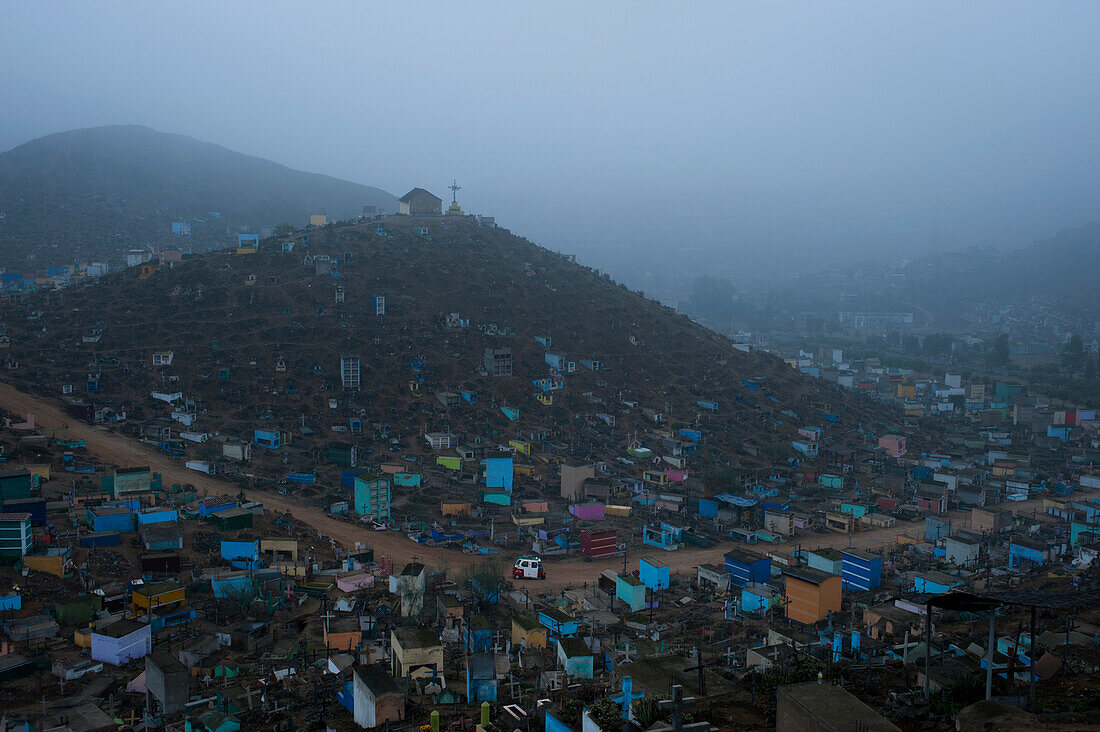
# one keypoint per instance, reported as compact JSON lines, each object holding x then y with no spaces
{"x":257,"y":339}
{"x":86,"y":194}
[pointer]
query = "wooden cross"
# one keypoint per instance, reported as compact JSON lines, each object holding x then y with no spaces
{"x":249,"y":693}
{"x":906,"y":644}
{"x":512,"y":684}
{"x":701,"y":668}
{"x":326,"y":616}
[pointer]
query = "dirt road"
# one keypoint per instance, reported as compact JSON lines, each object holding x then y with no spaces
{"x":573,"y":572}
{"x":123,"y":451}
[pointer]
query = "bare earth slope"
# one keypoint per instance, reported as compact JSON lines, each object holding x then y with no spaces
{"x":257,"y":342}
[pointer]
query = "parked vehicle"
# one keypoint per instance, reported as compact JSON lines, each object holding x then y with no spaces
{"x":528,"y":568}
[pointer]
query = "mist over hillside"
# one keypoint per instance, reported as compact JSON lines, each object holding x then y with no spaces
{"x":89,"y":193}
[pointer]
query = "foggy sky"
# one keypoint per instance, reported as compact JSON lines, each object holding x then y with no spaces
{"x":744,"y":132}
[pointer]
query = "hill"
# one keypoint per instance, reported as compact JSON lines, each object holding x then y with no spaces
{"x":942,"y":289}
{"x":89,"y":193}
{"x":1061,"y":271}
{"x":256,"y":343}
{"x":1065,"y":267}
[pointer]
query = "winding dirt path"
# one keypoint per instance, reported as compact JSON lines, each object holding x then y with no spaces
{"x":122,"y":451}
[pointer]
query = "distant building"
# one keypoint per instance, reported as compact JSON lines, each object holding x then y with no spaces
{"x":134,"y":257}
{"x":990,"y":520}
{"x":349,"y":372}
{"x":498,"y":361}
{"x":15,"y":534}
{"x":932,"y":582}
{"x":248,"y":243}
{"x":167,"y":681}
{"x":811,"y":595}
{"x":527,"y":632}
{"x":419,"y":202}
{"x":372,"y":496}
{"x":746,"y":567}
{"x":416,"y":653}
{"x":874,"y":321}
{"x":576,"y":658}
{"x":378,"y":700}
{"x":16,"y":484}
{"x":573,"y":477}
{"x":861,"y":571}
{"x":894,"y":445}
{"x":121,"y":641}
{"x":961,"y":551}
